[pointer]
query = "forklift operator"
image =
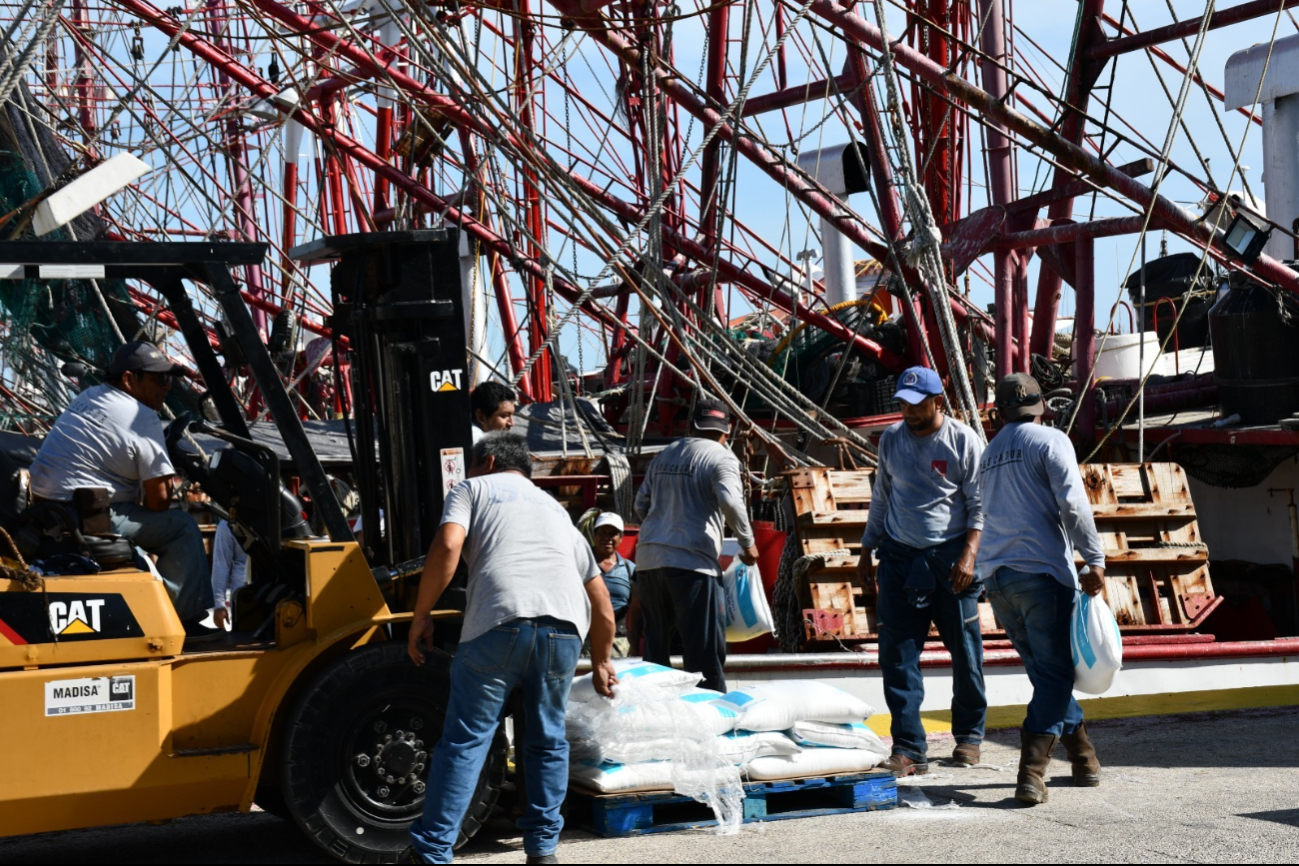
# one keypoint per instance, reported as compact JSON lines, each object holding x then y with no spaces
{"x":110,"y":437}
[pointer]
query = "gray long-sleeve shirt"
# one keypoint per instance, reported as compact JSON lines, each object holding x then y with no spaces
{"x":1038,"y":512}
{"x":692,"y":489}
{"x":926,"y":487}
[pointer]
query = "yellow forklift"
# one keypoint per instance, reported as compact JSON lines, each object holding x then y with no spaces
{"x":309,"y":708}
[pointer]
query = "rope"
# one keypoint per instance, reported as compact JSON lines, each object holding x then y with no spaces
{"x":26,"y":578}
{"x":620,"y":477}
{"x":1161,"y":173}
{"x":924,"y":251}
{"x":655,"y":208}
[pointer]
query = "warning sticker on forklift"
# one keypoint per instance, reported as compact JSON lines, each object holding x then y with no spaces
{"x":453,"y":468}
{"x":89,"y":695}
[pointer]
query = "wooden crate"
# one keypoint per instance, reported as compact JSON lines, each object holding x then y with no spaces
{"x":831,"y":507}
{"x":1156,"y":564}
{"x":1157,"y":575}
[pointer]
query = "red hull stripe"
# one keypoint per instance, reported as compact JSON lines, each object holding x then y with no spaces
{"x":14,"y":637}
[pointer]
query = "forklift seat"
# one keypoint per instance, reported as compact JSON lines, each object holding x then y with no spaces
{"x":41,"y":528}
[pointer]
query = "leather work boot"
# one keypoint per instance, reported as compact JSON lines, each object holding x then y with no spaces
{"x":1034,"y":756}
{"x":965,"y":754}
{"x":901,"y":765}
{"x":1082,"y":755}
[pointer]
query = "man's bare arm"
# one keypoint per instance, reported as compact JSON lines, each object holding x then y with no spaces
{"x":439,"y":568}
{"x":602,"y":633}
{"x":157,"y":492}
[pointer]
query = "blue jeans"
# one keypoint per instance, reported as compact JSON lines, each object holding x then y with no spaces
{"x":903,"y":628}
{"x":539,"y":656}
{"x":176,"y":540}
{"x":1035,"y":610}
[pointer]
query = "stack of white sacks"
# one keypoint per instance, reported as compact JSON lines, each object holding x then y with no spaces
{"x":661,"y":726}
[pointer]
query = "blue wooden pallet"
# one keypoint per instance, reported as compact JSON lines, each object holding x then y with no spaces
{"x":611,"y":815}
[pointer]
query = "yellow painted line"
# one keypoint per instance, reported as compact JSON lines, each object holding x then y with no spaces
{"x":1122,"y":708}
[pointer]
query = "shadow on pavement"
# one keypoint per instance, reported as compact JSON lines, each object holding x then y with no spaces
{"x":1145,"y":741}
{"x":1280,"y":816}
{"x":255,"y":838}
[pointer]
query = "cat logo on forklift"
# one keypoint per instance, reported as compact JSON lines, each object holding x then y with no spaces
{"x":34,"y":618}
{"x":445,"y":380}
{"x":76,"y":617}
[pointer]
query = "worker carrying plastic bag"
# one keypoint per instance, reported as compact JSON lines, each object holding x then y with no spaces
{"x":1097,"y":645}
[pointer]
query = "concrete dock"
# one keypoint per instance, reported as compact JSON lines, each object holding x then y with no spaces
{"x":1208,"y":787}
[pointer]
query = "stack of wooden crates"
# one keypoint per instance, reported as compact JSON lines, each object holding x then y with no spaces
{"x":1157,"y":571}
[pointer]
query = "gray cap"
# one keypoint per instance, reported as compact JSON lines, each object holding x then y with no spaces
{"x":141,"y":357}
{"x":1019,"y":396}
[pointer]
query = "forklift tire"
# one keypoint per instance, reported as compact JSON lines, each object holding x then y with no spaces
{"x":368,"y":711}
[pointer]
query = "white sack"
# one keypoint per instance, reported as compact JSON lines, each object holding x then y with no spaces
{"x":814,"y":762}
{"x":778,"y":705}
{"x":741,"y":747}
{"x":718,"y":718}
{"x":634,"y":669}
{"x":1097,"y":646}
{"x":622,"y":778}
{"x":820,"y":735}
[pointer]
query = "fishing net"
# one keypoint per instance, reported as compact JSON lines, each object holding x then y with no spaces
{"x":818,"y":364}
{"x":64,"y":317}
{"x":44,"y":323}
{"x":1233,"y":466}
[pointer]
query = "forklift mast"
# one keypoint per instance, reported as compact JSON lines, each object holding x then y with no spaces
{"x":398,"y":303}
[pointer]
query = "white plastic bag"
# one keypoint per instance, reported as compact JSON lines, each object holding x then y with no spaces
{"x":747,"y":613}
{"x":776,"y":706}
{"x":648,"y":722}
{"x":634,"y":669}
{"x":1097,"y":645}
{"x":820,"y":735}
{"x":814,"y":762}
{"x":741,"y":747}
{"x":581,"y":738}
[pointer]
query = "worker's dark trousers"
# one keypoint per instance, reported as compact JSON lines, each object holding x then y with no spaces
{"x":904,"y":618}
{"x":691,"y":605}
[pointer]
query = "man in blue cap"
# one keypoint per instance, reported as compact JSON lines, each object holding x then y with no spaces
{"x":925,"y":520}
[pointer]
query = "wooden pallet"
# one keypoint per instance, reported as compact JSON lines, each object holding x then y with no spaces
{"x":612,"y":815}
{"x":1157,"y":575}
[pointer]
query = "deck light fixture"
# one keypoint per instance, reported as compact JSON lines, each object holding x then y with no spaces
{"x":1246,"y":235}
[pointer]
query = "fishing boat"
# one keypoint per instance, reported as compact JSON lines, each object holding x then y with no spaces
{"x":779,"y":203}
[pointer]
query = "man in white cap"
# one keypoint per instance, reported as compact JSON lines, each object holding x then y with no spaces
{"x":110,"y":437}
{"x":925,"y":519}
{"x":618,"y":573}
{"x":692,"y":489}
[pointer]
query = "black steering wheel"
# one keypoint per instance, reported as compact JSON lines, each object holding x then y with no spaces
{"x":191,"y":466}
